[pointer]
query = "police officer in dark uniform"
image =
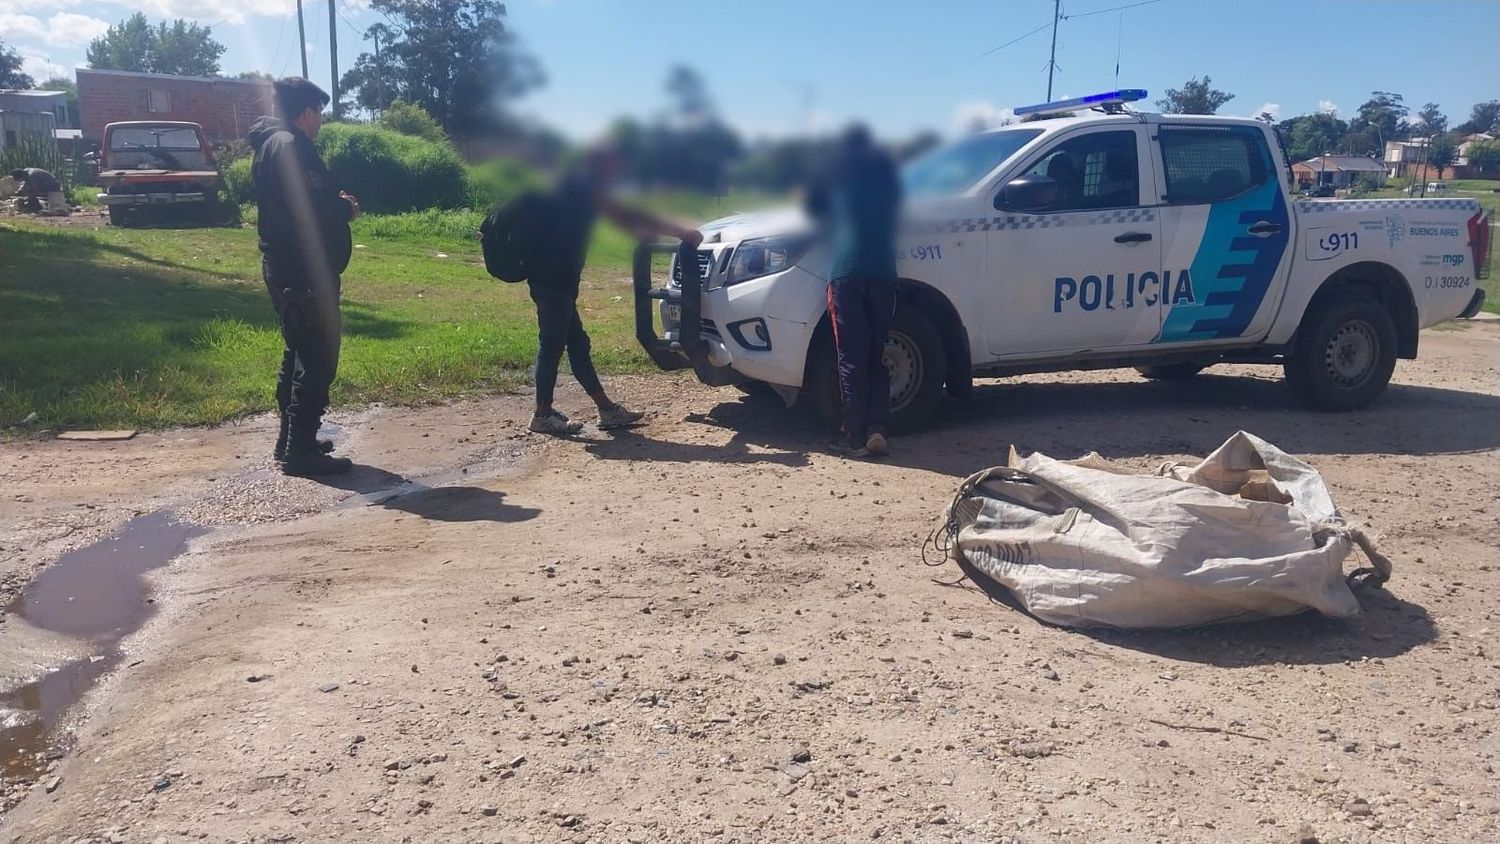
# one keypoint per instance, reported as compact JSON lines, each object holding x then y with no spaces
{"x":305,"y":243}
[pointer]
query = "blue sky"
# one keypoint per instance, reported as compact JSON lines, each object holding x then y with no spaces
{"x":777,"y":67}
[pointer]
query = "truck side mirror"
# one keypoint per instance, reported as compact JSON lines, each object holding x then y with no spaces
{"x":1027,"y":193}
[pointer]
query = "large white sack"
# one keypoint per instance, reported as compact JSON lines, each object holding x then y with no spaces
{"x":1251,"y":532}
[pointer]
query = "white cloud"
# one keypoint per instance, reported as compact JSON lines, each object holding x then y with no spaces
{"x":22,"y":27}
{"x":1328,"y":107}
{"x":70,"y":30}
{"x":1273,"y":109}
{"x":40,"y":66}
{"x":64,"y":29}
{"x":211,"y":11}
{"x":41,"y":5}
{"x":969,"y":115}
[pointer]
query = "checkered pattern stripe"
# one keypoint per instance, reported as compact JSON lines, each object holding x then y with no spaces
{"x":1045,"y":221}
{"x":1387,"y":205}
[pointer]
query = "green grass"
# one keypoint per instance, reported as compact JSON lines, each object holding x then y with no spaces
{"x":85,"y":195}
{"x":157,"y":327}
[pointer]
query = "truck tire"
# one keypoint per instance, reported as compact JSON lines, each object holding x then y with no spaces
{"x":914,"y":357}
{"x":1343,"y":356}
{"x":1171,"y":371}
{"x":120,"y":216}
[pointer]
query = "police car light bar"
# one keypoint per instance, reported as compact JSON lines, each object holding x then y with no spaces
{"x":1106,"y":100}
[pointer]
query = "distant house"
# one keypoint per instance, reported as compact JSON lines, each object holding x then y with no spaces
{"x":1462,"y":169}
{"x":225,"y":108}
{"x":31,"y":112}
{"x":1402,"y":157}
{"x":1340,"y":171}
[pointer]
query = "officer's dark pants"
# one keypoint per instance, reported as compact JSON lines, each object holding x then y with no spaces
{"x":310,"y":330}
{"x":559,"y":328}
{"x":861,"y":309}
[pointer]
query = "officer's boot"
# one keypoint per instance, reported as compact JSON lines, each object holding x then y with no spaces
{"x":279,"y":453}
{"x":305,"y":456}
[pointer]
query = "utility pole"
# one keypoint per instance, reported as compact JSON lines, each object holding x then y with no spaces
{"x":379,"y":68}
{"x":301,"y":39}
{"x":333,"y":56}
{"x":1052,"y":60}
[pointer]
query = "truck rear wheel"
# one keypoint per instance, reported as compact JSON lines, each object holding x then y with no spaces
{"x":1344,"y":355}
{"x":914,"y":359}
{"x":121,"y":216}
{"x":1171,"y":371}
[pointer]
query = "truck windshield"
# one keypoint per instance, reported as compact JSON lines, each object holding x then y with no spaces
{"x":956,"y":167}
{"x":157,"y":138}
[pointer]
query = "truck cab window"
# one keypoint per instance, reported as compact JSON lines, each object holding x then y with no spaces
{"x":1098,"y":170}
{"x":1211,"y":164}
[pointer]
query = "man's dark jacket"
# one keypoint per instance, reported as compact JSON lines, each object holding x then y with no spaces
{"x":303,"y":222}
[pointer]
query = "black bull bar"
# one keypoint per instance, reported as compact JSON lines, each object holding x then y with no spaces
{"x":689,"y":349}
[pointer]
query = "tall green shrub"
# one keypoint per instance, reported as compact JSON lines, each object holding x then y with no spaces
{"x":237,"y":184}
{"x":391,"y":172}
{"x":411,"y":119}
{"x":495,"y":181}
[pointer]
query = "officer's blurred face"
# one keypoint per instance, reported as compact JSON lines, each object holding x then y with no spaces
{"x":310,"y":122}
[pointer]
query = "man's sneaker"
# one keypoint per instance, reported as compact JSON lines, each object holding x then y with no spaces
{"x":844,"y":448}
{"x":619,"y":417}
{"x":554,"y":423}
{"x":876,"y":443}
{"x":309,"y":462}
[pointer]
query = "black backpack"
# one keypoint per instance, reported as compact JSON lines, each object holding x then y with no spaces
{"x":512,"y":236}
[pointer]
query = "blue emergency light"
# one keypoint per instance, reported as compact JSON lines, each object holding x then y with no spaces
{"x":1110,"y":101}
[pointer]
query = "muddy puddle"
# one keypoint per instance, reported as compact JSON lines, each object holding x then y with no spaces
{"x":64,"y":630}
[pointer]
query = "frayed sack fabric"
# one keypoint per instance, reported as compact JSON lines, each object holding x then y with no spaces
{"x":1251,"y":532}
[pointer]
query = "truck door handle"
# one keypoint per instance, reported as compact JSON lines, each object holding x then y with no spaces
{"x":1264,"y":227}
{"x":1133,"y":237}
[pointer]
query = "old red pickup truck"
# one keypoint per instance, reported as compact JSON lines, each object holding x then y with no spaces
{"x":147,"y":164}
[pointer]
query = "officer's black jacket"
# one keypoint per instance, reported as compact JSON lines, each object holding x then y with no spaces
{"x":303,"y":222}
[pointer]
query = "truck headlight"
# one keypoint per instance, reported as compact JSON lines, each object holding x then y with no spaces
{"x":766,"y":255}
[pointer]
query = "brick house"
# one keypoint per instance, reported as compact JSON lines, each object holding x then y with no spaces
{"x":225,"y":108}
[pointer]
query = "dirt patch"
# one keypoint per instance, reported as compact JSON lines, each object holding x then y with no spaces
{"x":709,"y":628}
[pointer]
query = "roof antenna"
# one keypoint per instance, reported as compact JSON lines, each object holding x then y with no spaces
{"x":1119,"y":40}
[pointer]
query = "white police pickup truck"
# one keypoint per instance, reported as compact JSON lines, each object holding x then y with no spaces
{"x":1166,"y":243}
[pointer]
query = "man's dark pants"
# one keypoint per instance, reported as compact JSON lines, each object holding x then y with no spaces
{"x":559,"y":329}
{"x":862,"y":309}
{"x":310,"y":330}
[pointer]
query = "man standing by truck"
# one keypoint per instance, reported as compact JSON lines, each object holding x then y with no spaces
{"x":305,"y":243}
{"x":579,"y":197}
{"x":859,"y":204}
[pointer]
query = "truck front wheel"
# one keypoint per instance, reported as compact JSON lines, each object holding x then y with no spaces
{"x":913,"y":358}
{"x":1344,"y":355}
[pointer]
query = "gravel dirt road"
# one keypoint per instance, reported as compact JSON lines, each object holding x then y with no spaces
{"x":708,"y":628}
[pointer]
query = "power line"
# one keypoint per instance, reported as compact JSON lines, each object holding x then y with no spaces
{"x":1110,"y":9}
{"x":1014,"y":40}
